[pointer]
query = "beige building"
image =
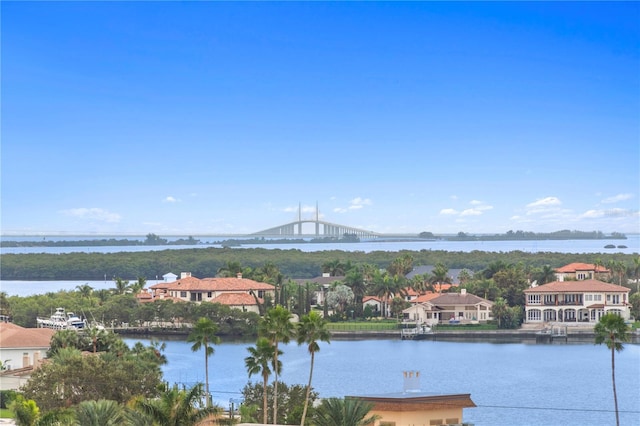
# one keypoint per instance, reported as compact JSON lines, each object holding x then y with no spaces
{"x":238,"y":292}
{"x":463,"y":308}
{"x":575,"y":301}
{"x":581,"y":271}
{"x":413,"y":407}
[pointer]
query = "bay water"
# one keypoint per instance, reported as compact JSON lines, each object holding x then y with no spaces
{"x":512,"y":383}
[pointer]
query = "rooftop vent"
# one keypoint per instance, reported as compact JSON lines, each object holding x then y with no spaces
{"x":411,"y":381}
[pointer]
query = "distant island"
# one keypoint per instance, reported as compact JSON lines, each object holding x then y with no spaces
{"x":155,"y":240}
{"x":528,"y":236}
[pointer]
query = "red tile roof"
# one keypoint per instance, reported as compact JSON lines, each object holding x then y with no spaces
{"x":574,"y":267}
{"x":458,"y":299}
{"x":426,"y":297}
{"x":235,"y":299}
{"x":217,"y":284}
{"x":585,"y":286}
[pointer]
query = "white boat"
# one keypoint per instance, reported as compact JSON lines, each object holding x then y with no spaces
{"x":61,"y":320}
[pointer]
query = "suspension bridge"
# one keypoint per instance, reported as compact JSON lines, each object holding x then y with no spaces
{"x":315,"y":228}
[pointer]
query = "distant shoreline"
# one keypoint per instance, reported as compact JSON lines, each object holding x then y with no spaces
{"x":154,"y":240}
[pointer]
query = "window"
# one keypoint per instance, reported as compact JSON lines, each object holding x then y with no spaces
{"x":582,"y":275}
{"x":588,"y":297}
{"x":452,"y":421}
{"x":209,"y":294}
{"x":597,"y":298}
{"x":534,"y":299}
{"x":534,"y":315}
{"x":387,"y":423}
{"x":549,"y":299}
{"x":183,"y":294}
{"x":435,"y":422}
{"x":615,"y":299}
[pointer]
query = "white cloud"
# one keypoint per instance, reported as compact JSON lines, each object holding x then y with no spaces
{"x":617,"y":198}
{"x":471,"y":212}
{"x":355,"y":204}
{"x":170,"y":199}
{"x":479,"y":207}
{"x":545,"y":202}
{"x":93,"y":214}
{"x":449,"y":212}
{"x":594,"y":214}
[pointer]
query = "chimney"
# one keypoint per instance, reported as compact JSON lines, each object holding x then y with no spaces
{"x":326,"y":275}
{"x":185,"y":275}
{"x":239,"y":275}
{"x":25,"y":360}
{"x":411,"y":381}
{"x":463,"y":291}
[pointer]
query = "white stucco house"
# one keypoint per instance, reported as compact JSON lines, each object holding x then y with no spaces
{"x":21,"y":350}
{"x":575,"y":301}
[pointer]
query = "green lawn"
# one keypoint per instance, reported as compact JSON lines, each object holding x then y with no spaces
{"x":5,"y":414}
{"x":363,"y":325}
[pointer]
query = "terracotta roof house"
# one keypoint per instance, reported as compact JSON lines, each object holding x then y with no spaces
{"x":21,"y":350}
{"x":374,"y":302}
{"x":415,"y":407}
{"x":460,"y":307}
{"x":235,"y":292}
{"x":575,"y":301}
{"x":581,"y":271}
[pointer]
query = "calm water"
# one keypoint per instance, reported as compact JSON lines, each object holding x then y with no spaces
{"x":511,"y":383}
{"x":563,"y":246}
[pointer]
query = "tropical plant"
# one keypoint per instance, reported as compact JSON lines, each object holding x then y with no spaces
{"x":344,"y":412}
{"x":613,"y":332}
{"x":25,"y":410}
{"x":203,"y":335}
{"x":312,"y":329}
{"x":355,"y":280}
{"x":121,"y":285}
{"x":260,"y":361}
{"x":230,"y":269}
{"x":334,"y":268}
{"x":99,"y":413}
{"x":176,"y":407}
{"x":277,"y":327}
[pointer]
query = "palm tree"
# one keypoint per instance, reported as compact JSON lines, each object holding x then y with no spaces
{"x":85,"y":290}
{"x":612,"y":331}
{"x":344,"y":412}
{"x":121,"y":285}
{"x":333,"y":267}
{"x":176,"y":407}
{"x":230,"y":269}
{"x":276,"y":326}
{"x":440,"y":274}
{"x":386,"y":287}
{"x":312,"y":329}
{"x":356,"y":282}
{"x":99,"y":413}
{"x":258,"y":362}
{"x":547,"y":274}
{"x":202,"y":335}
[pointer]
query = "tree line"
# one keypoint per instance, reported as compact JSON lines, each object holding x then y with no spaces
{"x":293,"y":263}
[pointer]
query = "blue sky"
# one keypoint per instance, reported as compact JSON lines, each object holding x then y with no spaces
{"x":222,"y":117}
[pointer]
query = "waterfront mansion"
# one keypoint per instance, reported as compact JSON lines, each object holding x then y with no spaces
{"x":575,"y":301}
